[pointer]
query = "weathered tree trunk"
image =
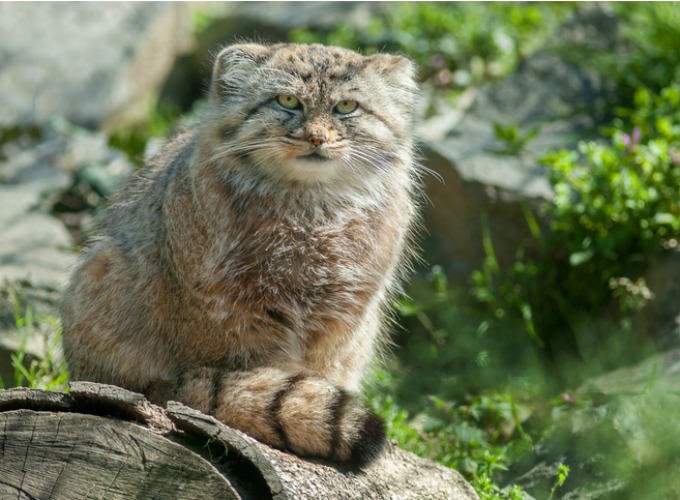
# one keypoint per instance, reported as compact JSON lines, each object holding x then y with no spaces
{"x":101,"y":441}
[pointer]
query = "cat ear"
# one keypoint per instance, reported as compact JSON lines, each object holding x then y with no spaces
{"x":232,"y":67}
{"x":398,"y":71}
{"x":398,"y":74}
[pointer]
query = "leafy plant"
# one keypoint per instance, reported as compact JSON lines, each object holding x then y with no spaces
{"x":50,"y":371}
{"x":647,"y":59}
{"x":472,"y":437}
{"x":513,"y":140}
{"x":133,"y":140}
{"x":17,"y":134}
{"x":615,"y":206}
{"x":436,"y":395}
{"x":562,"y":473}
{"x":617,"y":203}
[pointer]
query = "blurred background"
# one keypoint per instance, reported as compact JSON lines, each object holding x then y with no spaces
{"x":538,"y":348}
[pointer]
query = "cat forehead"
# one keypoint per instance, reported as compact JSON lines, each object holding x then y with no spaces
{"x":307,"y":61}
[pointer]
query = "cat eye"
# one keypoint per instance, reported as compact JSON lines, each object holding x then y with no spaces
{"x":345,"y":107}
{"x":289,"y":101}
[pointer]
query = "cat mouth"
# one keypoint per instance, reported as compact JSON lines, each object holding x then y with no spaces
{"x":315,"y":158}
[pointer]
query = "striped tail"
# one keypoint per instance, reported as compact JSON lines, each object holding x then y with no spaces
{"x":299,"y":412}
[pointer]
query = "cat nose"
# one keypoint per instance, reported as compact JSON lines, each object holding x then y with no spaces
{"x":317,"y":138}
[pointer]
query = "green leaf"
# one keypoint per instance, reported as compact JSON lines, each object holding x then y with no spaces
{"x":667,"y":218}
{"x":578,"y":258}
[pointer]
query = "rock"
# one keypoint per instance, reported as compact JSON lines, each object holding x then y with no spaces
{"x":618,"y":435}
{"x":662,"y":314}
{"x":34,"y":243}
{"x":660,"y":372}
{"x":484,"y":181}
{"x":95,"y":64}
{"x":36,"y":249}
{"x":267,"y":19}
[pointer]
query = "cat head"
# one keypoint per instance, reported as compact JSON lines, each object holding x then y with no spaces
{"x":311,"y":114}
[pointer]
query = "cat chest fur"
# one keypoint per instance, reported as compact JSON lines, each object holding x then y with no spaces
{"x":286,"y":278}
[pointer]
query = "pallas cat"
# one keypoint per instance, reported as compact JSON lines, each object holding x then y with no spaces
{"x":248,"y":269}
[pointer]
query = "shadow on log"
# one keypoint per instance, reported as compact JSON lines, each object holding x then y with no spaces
{"x":101,"y":441}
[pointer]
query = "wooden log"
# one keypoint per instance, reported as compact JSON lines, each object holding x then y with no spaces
{"x":101,"y":441}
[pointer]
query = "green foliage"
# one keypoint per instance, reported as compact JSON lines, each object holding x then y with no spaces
{"x":562,"y":473}
{"x":505,"y":293}
{"x":650,"y":455}
{"x":49,"y":372}
{"x":133,"y":140}
{"x":616,"y":201}
{"x":444,"y":333}
{"x":656,"y":112}
{"x":626,"y":438}
{"x":513,"y":140}
{"x":615,"y":204}
{"x":202,"y":18}
{"x":649,"y":32}
{"x":17,"y":134}
{"x":472,"y":437}
{"x":436,"y":397}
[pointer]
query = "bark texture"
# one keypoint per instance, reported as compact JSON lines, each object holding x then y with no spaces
{"x":101,"y":441}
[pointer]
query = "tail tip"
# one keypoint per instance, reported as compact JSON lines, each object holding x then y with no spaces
{"x":370,"y":442}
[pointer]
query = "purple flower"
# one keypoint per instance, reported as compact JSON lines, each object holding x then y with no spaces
{"x":438,"y":61}
{"x":675,"y":157}
{"x":631,"y":141}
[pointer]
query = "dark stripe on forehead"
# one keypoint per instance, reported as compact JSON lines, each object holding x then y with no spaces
{"x":347,"y":74}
